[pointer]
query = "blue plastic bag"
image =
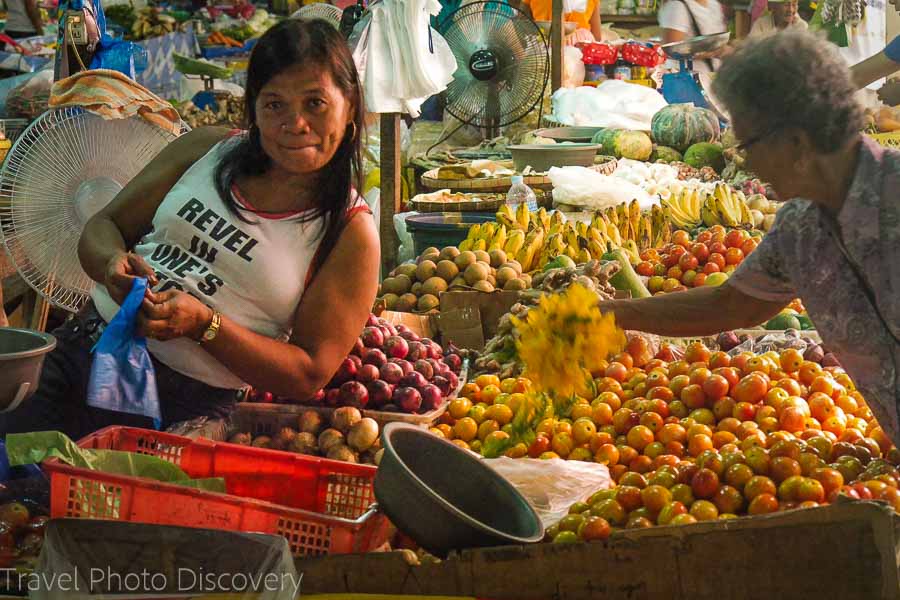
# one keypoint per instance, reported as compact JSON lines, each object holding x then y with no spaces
{"x":122,"y":374}
{"x":115,"y":53}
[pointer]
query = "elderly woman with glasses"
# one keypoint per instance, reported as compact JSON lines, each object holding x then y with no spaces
{"x":836,"y":242}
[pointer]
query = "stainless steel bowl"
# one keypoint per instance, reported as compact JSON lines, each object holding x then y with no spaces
{"x":445,"y":498}
{"x":697,"y":45}
{"x":22,"y":354}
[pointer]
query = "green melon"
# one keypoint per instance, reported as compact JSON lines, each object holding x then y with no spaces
{"x":665,"y":154}
{"x":783,"y":321}
{"x":705,"y":154}
{"x":682,"y":125}
{"x":622,"y":143}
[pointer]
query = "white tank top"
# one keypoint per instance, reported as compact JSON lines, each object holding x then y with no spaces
{"x":254,"y":273}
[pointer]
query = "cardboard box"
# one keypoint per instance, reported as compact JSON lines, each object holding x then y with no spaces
{"x":461,"y":308}
{"x":842,"y":551}
{"x":421,"y":324}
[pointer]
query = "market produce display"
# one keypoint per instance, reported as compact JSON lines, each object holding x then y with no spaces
{"x":227,"y":112}
{"x":707,"y":259}
{"x":390,"y":369}
{"x":346,"y":436}
{"x":680,"y":126}
{"x":21,"y":533}
{"x":147,"y":23}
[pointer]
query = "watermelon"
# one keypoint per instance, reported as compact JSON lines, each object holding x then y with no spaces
{"x":665,"y":154}
{"x":622,"y":143}
{"x":705,"y":154}
{"x":683,"y":125}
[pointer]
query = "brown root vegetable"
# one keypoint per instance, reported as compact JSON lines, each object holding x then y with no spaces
{"x":283,"y":438}
{"x":262,"y":441}
{"x":343,"y":453}
{"x":344,"y":418}
{"x":310,"y":422}
{"x":303,"y":443}
{"x":241,"y":438}
{"x":329,"y":438}
{"x":363,"y":435}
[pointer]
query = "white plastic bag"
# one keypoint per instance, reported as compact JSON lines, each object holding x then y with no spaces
{"x":552,"y":486}
{"x":406,"y":251}
{"x":588,"y":189}
{"x":570,"y":6}
{"x":614,"y":103}
{"x":573,"y":67}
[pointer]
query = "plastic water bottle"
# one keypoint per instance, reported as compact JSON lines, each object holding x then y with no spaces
{"x":519,"y":193}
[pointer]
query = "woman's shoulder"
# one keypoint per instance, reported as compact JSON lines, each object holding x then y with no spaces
{"x":672,"y":14}
{"x":195,"y":144}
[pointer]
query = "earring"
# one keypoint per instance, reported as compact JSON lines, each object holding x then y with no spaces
{"x":353,"y":135}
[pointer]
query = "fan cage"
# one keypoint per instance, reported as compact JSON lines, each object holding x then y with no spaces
{"x":320,"y":10}
{"x":521,"y":47}
{"x":65,"y":154}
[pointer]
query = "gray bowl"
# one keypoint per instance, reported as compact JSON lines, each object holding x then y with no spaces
{"x":22,"y":354}
{"x":445,"y":498}
{"x":542,"y":157}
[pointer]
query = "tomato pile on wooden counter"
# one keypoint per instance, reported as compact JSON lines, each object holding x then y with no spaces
{"x":710,"y":436}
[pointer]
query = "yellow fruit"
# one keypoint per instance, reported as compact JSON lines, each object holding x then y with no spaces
{"x":465,"y":429}
{"x":460,"y":407}
{"x":501,"y":413}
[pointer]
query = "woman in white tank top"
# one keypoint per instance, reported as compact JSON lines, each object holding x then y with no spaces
{"x":262,"y":259}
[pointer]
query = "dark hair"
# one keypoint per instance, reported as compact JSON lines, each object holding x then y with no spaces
{"x":792,"y":80}
{"x":289,"y":43}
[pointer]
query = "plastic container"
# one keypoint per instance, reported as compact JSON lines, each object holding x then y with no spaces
{"x":442,"y":229}
{"x":519,"y":192}
{"x":321,"y":506}
{"x":22,"y":354}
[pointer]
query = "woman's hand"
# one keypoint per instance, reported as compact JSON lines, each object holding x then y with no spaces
{"x":121,"y":271}
{"x":173,"y":314}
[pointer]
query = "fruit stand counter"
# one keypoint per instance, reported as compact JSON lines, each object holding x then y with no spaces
{"x":847,"y":550}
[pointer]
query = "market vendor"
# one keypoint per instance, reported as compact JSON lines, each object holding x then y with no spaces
{"x":23,"y":19}
{"x":264,"y":262}
{"x":835,"y":244}
{"x":781,"y":15}
{"x":587,"y":23}
{"x":684,"y":19}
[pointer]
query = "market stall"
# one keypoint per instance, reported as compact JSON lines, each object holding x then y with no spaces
{"x":491,"y":433}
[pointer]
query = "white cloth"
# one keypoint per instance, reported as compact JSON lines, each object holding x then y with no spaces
{"x":868,"y":38}
{"x":254,"y":273}
{"x":17,"y":18}
{"x":613,"y":103}
{"x":765,"y":26}
{"x":398,"y":68}
{"x":710,"y":19}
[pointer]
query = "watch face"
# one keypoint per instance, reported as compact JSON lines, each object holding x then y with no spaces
{"x":208,"y":335}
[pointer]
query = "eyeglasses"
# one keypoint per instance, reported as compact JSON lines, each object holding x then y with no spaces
{"x":752,"y":141}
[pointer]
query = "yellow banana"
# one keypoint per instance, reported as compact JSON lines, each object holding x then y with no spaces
{"x":487,"y":232}
{"x":479,"y":245}
{"x":523,"y":216}
{"x":499,"y":238}
{"x":506,"y":216}
{"x":465,"y":245}
{"x":543,"y":218}
{"x":514,"y":242}
{"x":596,"y":249}
{"x":474,"y":232}
{"x":708,"y":212}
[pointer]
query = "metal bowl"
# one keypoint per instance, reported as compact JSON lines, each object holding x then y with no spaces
{"x":541,"y":157}
{"x":569,"y":134}
{"x":697,"y":45}
{"x":22,"y":354}
{"x":445,"y":498}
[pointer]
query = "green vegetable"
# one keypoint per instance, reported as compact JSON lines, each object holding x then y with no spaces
{"x":705,"y":154}
{"x":622,"y":143}
{"x":783,"y":321}
{"x":665,"y":154}
{"x":626,"y":279}
{"x":681,"y":125}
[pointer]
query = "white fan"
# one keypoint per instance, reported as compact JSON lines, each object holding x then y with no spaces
{"x":64,"y":168}
{"x":320,"y":10}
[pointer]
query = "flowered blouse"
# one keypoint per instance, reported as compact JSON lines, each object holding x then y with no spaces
{"x":800,"y":257}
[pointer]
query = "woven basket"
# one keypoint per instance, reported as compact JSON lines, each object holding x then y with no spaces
{"x":888,"y":140}
{"x":501,"y":184}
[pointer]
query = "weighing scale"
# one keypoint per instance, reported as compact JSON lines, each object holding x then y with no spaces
{"x":686,"y":86}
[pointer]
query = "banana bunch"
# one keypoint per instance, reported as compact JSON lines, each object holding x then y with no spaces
{"x":151,"y":23}
{"x":683,"y":208}
{"x":726,"y":207}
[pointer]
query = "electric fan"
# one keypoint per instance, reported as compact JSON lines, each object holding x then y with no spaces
{"x":66,"y":166}
{"x":502,"y":61}
{"x":320,"y":10}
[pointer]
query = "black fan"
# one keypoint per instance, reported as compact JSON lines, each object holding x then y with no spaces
{"x":502,"y":64}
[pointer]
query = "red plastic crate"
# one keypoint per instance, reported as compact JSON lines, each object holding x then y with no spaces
{"x":321,"y":506}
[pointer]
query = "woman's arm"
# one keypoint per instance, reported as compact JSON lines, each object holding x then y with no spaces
{"x":699,"y":311}
{"x":34,"y":15}
{"x":673,"y":35}
{"x":120,"y":224}
{"x":332,"y":313}
{"x":596,"y":24}
{"x":872,"y":69}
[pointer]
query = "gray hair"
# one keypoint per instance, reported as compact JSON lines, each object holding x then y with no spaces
{"x":792,"y":80}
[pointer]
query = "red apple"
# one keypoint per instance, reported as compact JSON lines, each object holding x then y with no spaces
{"x":374,"y":356}
{"x":442,"y":384}
{"x":346,"y":372}
{"x":318,"y":397}
{"x":396,"y":347}
{"x":380,"y":393}
{"x":355,"y":394}
{"x":404,"y":364}
{"x":431,"y":398}
{"x":414,"y":380}
{"x":373,"y":321}
{"x":392,"y":373}
{"x":415,"y":352}
{"x":358,"y":347}
{"x":454,"y":362}
{"x":408,"y":399}
{"x":372,"y":337}
{"x":357,"y":361}
{"x":333,"y":397}
{"x":424,"y":368}
{"x":367,"y":373}
{"x":408,"y":335}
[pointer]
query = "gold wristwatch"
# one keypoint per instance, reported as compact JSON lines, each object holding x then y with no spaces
{"x":213,"y":330}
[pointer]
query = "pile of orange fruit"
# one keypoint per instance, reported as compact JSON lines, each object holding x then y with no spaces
{"x":707,"y":437}
{"x":685,"y":263}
